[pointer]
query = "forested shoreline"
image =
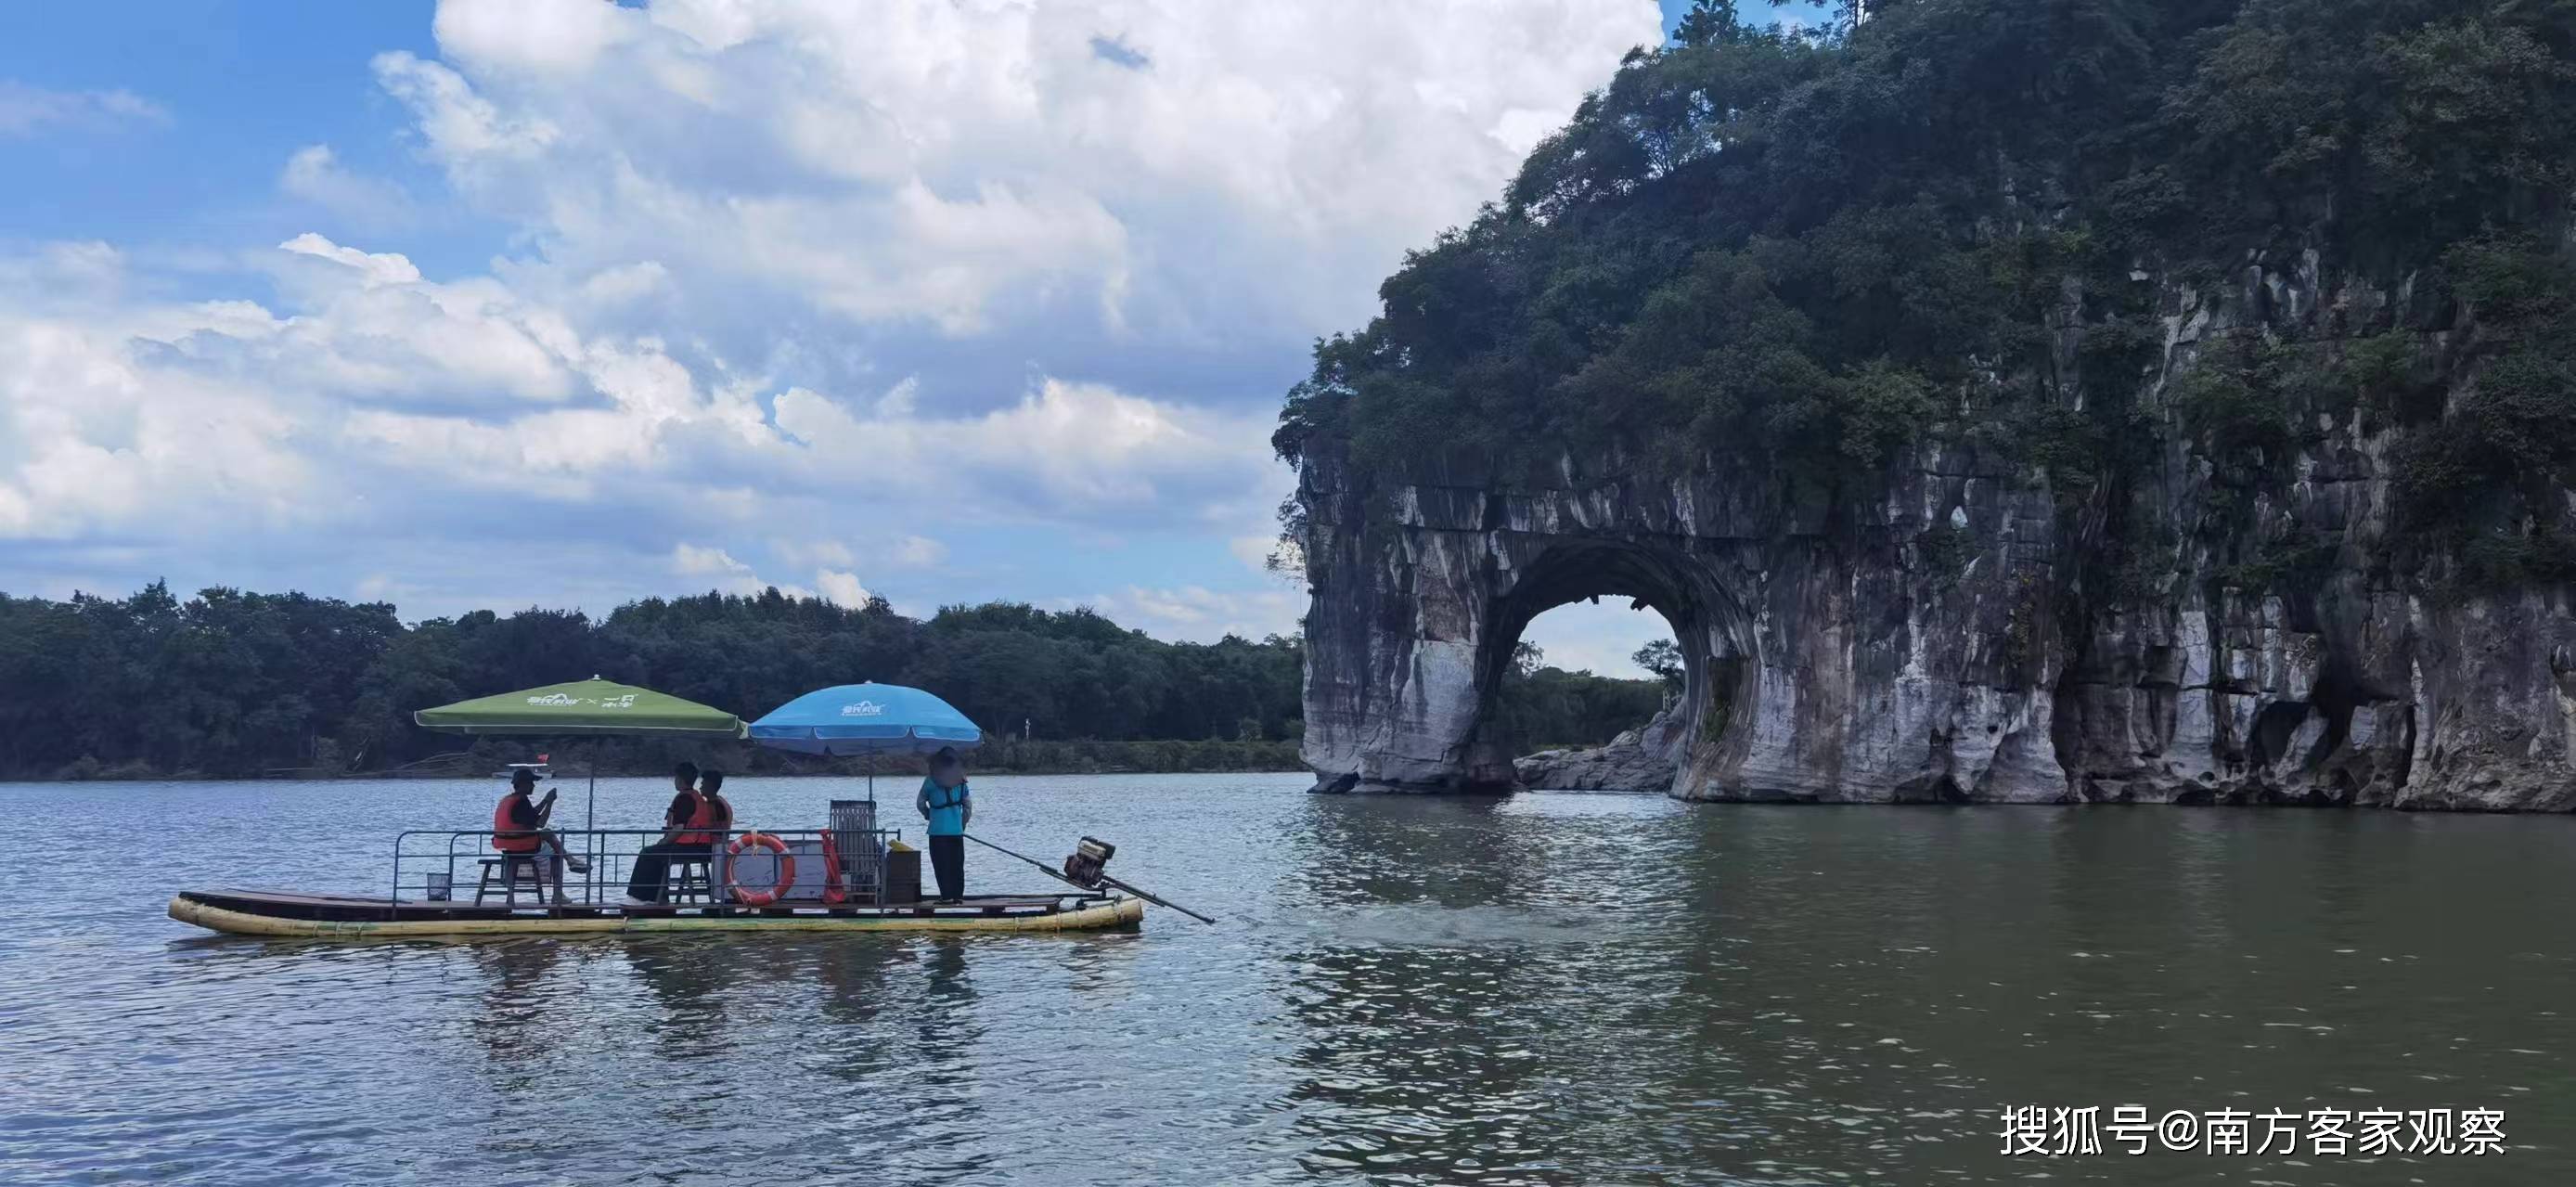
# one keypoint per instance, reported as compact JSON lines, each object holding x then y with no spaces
{"x":234,"y":684}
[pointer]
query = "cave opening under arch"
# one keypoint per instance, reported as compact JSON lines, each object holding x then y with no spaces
{"x":1709,"y":630}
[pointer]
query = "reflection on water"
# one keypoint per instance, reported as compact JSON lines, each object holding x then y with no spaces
{"x":1549,"y":988}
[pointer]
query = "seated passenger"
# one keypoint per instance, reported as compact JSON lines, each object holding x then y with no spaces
{"x":692,"y":827}
{"x":716,"y":816}
{"x":519,"y":827}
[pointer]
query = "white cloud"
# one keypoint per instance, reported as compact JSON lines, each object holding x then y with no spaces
{"x":1254,"y":551}
{"x":417,"y":390}
{"x":388,"y":268}
{"x":717,"y":568}
{"x":691,"y":560}
{"x":459,"y":124}
{"x":27,"y":110}
{"x":315,"y":175}
{"x":91,"y":442}
{"x":626,"y":284}
{"x":919,"y":552}
{"x":841,"y":588}
{"x":1201,"y":615}
{"x":901,"y":400}
{"x":972,"y":167}
{"x":760,"y":265}
{"x":535,"y":36}
{"x":1064,"y":446}
{"x":901,"y":552}
{"x":814,"y":552}
{"x":1597,"y":636}
{"x":370,"y":330}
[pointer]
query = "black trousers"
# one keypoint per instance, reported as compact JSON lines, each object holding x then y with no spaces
{"x":653,"y":866}
{"x":948,"y":864}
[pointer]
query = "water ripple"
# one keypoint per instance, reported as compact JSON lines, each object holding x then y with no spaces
{"x":1547,"y":989}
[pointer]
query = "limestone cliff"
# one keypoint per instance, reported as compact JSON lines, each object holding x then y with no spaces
{"x":2155,"y":401}
{"x":1962,"y":633}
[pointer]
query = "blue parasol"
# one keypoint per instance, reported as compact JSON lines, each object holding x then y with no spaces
{"x":868,"y":719}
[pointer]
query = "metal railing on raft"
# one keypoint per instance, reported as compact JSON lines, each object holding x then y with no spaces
{"x":461,"y":866}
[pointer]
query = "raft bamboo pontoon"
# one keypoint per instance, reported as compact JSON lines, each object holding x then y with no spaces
{"x":268,"y":913}
{"x":836,"y":879}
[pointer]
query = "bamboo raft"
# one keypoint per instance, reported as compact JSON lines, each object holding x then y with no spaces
{"x":452,"y":882}
{"x":322,"y":916}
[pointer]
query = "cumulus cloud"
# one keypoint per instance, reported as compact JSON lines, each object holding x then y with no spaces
{"x":919,"y":552}
{"x":814,"y":552}
{"x":841,"y":588}
{"x":1231,"y":175}
{"x":378,"y":400}
{"x":1062,"y":446}
{"x":373,"y":269}
{"x":1599,"y":637}
{"x":1254,"y":550}
{"x":1008,"y":266}
{"x":693,"y":560}
{"x":371,"y":330}
{"x":719,"y":569}
{"x":1201,"y":615}
{"x":28,"y":110}
{"x":315,"y":175}
{"x":92,"y":441}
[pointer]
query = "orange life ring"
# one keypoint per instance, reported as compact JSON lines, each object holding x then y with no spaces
{"x":786,"y":869}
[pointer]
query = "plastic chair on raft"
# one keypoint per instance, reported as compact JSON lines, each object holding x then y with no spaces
{"x":689,"y":879}
{"x":512,"y":870}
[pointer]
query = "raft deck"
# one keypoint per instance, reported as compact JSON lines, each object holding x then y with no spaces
{"x":280,"y":913}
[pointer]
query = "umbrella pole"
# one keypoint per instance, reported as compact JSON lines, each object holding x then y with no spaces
{"x":589,"y":823}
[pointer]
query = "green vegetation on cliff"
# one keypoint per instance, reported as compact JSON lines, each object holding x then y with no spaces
{"x":1975,"y":218}
{"x":231,"y":683}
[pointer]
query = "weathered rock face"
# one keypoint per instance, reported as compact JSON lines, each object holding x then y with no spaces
{"x":1642,"y":759}
{"x":1950,"y":638}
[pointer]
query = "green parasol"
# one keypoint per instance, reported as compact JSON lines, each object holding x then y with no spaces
{"x":583,"y":708}
{"x":590,"y":707}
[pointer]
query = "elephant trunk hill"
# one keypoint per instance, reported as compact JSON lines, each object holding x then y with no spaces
{"x":2077,"y":401}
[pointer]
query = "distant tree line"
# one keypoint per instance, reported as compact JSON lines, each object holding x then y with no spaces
{"x":1544,"y":707}
{"x":231,"y":683}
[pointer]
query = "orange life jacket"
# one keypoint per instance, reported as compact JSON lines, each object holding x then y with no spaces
{"x":523,"y":842}
{"x":705,"y":814}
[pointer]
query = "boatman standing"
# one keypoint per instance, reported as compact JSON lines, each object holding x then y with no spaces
{"x":945,"y":803}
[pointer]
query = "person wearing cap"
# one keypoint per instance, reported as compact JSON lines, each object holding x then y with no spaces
{"x":519,"y":827}
{"x":945,"y":803}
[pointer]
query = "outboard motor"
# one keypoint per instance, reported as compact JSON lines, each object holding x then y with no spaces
{"x":1083,"y":867}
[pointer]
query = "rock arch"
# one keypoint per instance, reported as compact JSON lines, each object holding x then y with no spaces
{"x":1691,"y":594}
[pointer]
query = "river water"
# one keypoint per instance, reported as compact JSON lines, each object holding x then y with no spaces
{"x":1549,"y":988}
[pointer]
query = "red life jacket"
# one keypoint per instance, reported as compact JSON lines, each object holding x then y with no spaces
{"x":502,"y":827}
{"x":704,"y":815}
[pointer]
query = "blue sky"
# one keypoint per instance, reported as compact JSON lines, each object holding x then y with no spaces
{"x":490,"y":304}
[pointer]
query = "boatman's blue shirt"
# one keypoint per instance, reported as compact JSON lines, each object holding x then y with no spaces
{"x":947,"y":808}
